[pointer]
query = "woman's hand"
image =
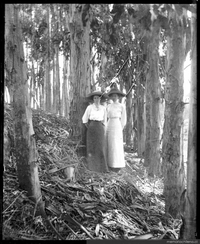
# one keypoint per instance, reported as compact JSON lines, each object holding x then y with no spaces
{"x":86,"y":125}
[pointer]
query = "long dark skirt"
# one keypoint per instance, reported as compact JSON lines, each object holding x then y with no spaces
{"x":96,"y":153}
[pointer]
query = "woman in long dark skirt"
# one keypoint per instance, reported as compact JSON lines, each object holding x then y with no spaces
{"x":94,"y":119}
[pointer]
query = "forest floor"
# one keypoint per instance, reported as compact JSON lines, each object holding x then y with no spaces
{"x":125,"y":205}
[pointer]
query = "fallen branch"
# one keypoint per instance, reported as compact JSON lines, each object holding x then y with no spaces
{"x":68,"y":218}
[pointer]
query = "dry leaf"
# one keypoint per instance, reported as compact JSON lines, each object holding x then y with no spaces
{"x":97,"y":229}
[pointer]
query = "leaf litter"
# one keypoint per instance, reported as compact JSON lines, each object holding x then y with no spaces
{"x":124,"y":205}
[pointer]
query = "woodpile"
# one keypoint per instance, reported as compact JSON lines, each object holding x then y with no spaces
{"x":82,"y":205}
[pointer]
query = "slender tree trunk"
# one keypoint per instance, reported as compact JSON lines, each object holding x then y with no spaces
{"x":47,"y":68}
{"x":79,"y":26}
{"x":190,"y":224}
{"x":56,"y":48}
{"x":145,"y":122}
{"x":173,"y":167}
{"x":155,"y":98}
{"x":129,"y":111}
{"x":47,"y":87}
{"x":25,"y":146}
{"x":92,"y":65}
{"x":42,"y":96}
{"x":58,"y":100}
{"x":68,"y":89}
{"x":147,"y":153}
{"x":140,"y":119}
{"x":65,"y":87}
{"x":134,"y":123}
{"x":38,"y":95}
{"x":54,"y":84}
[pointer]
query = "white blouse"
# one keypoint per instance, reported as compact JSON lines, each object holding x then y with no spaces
{"x":117,"y":110}
{"x":92,"y":113}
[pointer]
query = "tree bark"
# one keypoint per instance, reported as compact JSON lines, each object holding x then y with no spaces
{"x":47,"y":69}
{"x":129,"y":111}
{"x":189,"y":227}
{"x":155,"y":98}
{"x":58,"y":100}
{"x":148,"y":124}
{"x":140,"y":119}
{"x":65,"y":97}
{"x":54,"y":109}
{"x":25,"y":146}
{"x":79,"y":26}
{"x":173,"y":167}
{"x":47,"y":86}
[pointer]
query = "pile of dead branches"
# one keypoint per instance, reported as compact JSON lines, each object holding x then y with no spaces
{"x":94,"y":206}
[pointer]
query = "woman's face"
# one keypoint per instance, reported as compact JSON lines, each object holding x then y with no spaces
{"x":114,"y":97}
{"x":96,"y":99}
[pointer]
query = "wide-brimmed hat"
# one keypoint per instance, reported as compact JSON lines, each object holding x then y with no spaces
{"x":116,"y":91}
{"x":96,"y":93}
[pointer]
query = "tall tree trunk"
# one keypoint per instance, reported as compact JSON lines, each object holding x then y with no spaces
{"x":32,"y":78}
{"x":155,"y":98}
{"x":47,"y":69}
{"x":79,"y":26}
{"x":42,"y":96}
{"x":38,"y":95}
{"x":25,"y":146}
{"x":147,"y":153}
{"x":140,"y":91}
{"x":93,"y":64}
{"x":190,"y":225}
{"x":58,"y":100}
{"x":134,"y":126}
{"x":173,"y":167}
{"x":129,"y":111}
{"x":58,"y":80}
{"x":65,"y":87}
{"x":48,"y":86}
{"x":54,"y":84}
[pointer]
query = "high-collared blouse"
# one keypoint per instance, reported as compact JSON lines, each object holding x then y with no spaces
{"x":94,"y":113}
{"x":117,"y":110}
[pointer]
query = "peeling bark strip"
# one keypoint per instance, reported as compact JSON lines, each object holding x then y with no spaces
{"x":79,"y":26}
{"x":173,"y":168}
{"x":25,"y":146}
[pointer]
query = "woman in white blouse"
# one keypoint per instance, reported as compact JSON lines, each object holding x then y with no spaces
{"x":116,"y":113}
{"x":95,"y":118}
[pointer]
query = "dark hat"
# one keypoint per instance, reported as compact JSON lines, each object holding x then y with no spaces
{"x":115,"y":90}
{"x":96,"y":93}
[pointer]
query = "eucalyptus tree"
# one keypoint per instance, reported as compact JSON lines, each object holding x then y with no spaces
{"x":173,"y":22}
{"x":34,"y":21}
{"x":144,"y":17}
{"x":190,"y":204}
{"x":24,"y":141}
{"x":79,"y":18}
{"x":172,"y":160}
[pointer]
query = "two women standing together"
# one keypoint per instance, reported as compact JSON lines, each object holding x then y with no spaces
{"x":104,"y":139}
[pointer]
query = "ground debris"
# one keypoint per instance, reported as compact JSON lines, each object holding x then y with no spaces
{"x":124,"y":205}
